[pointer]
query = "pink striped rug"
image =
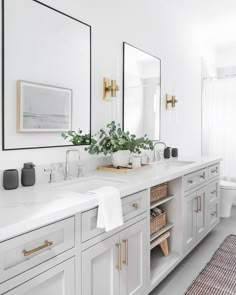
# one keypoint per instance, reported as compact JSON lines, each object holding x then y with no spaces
{"x":219,"y":275}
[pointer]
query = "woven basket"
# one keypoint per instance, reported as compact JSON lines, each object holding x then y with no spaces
{"x":157,"y":223}
{"x":158,"y":192}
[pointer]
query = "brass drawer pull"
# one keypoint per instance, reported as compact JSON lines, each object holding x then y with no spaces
{"x":126,"y":261}
{"x":214,"y":214}
{"x":214,"y":171}
{"x":30,"y":252}
{"x":190,"y":181}
{"x":119,"y":265}
{"x":135,"y":205}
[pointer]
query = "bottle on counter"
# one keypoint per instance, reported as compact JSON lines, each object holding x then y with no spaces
{"x":167,"y":152}
{"x":10,"y":179}
{"x":28,"y":174}
{"x":174,"y":152}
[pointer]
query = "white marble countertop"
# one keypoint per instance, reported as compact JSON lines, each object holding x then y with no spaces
{"x":28,"y":208}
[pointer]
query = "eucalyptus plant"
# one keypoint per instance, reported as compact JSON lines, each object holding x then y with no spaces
{"x":113,"y":139}
{"x":77,"y":138}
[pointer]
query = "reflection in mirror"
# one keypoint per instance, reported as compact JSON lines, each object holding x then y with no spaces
{"x":47,"y":70}
{"x":141,"y":93}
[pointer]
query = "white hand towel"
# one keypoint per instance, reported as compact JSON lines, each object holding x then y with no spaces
{"x":110,"y":213}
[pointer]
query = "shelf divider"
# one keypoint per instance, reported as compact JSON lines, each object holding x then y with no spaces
{"x":162,"y":201}
{"x":161,"y":231}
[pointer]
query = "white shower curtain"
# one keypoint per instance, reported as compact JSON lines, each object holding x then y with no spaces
{"x":219,"y":123}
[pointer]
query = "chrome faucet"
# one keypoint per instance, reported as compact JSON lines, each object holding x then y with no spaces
{"x":67,"y":168}
{"x":154,"y":149}
{"x":51,"y":175}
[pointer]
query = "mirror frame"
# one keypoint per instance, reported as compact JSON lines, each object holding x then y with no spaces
{"x":3,"y":78}
{"x":123,"y":87}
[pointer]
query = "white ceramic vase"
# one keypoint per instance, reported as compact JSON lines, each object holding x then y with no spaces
{"x":120,"y":158}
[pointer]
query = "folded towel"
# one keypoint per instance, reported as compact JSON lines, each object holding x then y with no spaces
{"x":110,"y":213}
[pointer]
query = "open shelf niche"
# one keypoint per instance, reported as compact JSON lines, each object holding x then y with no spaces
{"x":161,"y":265}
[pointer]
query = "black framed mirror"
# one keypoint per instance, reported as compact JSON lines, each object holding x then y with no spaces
{"x":46,"y":75}
{"x":141,"y":92}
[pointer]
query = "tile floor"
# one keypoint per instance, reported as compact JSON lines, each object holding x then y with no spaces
{"x":179,"y":280}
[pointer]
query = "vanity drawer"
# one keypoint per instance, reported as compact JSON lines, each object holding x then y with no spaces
{"x":213,"y":192}
{"x":214,"y":171}
{"x":132,"y":206}
{"x":213,"y":215}
{"x":195,"y":179}
{"x":28,"y":250}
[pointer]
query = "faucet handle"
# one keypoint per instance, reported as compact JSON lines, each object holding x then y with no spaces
{"x":80,"y":170}
{"x":51,"y":175}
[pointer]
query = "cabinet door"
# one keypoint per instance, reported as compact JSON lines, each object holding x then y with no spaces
{"x":213,"y":216}
{"x":201,"y":215}
{"x":133,"y":277}
{"x":189,"y":222}
{"x":59,"y":280}
{"x":99,"y":272}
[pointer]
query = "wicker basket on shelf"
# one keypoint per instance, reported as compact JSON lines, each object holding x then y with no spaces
{"x":158,"y":192}
{"x":157,"y":223}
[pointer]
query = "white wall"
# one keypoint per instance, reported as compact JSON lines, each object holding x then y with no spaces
{"x":226,"y":56}
{"x":151,"y":26}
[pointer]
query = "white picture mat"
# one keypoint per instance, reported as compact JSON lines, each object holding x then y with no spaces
{"x":48,"y":109}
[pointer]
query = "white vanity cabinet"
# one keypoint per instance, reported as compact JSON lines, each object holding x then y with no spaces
{"x":33,"y":248}
{"x":201,"y":212}
{"x":59,"y":280}
{"x":189,"y":222}
{"x":213,"y":203}
{"x":194,"y":179}
{"x":213,"y":197}
{"x":117,"y":265}
{"x":40,"y":262}
{"x":213,"y":215}
{"x":132,"y":206}
{"x":201,"y":206}
{"x":195,"y":223}
{"x":134,"y":258}
{"x":73,"y":257}
{"x":99,"y":272}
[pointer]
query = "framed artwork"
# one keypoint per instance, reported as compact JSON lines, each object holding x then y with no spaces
{"x":43,"y":108}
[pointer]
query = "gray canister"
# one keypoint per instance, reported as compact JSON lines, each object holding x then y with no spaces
{"x":28,"y":174}
{"x":167,"y":152}
{"x":10,"y":179}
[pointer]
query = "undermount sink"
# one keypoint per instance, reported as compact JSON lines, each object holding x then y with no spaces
{"x":169,"y":164}
{"x":179,"y":163}
{"x":90,"y":183}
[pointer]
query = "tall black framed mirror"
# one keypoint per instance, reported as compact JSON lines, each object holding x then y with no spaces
{"x":46,"y":75}
{"x":141,"y":92}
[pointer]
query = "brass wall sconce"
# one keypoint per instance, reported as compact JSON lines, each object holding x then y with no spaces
{"x":110,"y":89}
{"x":170,"y":101}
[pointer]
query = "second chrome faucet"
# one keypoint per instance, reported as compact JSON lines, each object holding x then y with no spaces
{"x":67,"y":167}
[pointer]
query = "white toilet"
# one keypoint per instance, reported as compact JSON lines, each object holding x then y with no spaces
{"x":227,"y":197}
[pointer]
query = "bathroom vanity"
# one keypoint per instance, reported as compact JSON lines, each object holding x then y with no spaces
{"x":49,"y":242}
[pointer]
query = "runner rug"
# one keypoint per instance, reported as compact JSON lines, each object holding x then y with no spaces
{"x":219,"y":275}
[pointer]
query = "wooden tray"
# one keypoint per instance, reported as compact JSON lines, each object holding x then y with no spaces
{"x":128,"y":169}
